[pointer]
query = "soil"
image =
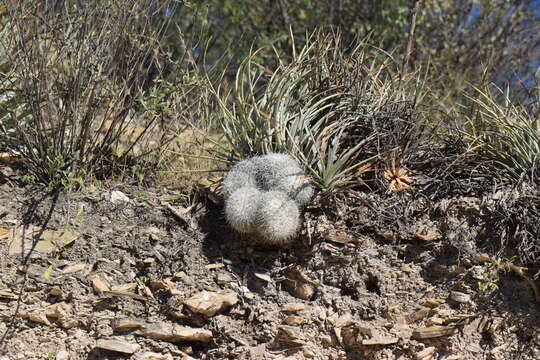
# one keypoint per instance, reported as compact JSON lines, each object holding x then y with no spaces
{"x":156,"y":273}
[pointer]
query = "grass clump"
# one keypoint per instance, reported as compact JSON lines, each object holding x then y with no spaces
{"x":505,"y":132}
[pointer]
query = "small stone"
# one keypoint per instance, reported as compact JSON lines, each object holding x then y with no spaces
{"x":38,"y":317}
{"x":326,"y":340}
{"x":293,"y":307}
{"x":264,"y":277}
{"x":119,"y":346}
{"x":175,"y":333}
{"x":209,"y":303}
{"x":99,"y":285}
{"x":460,"y":297}
{"x":342,"y":321}
{"x":118,"y":196}
{"x":127,"y":324}
{"x":154,"y":356}
{"x":300,"y":289}
{"x":294,"y":320}
{"x":74,"y":268}
{"x":435,"y":320}
{"x":433,"y":332}
{"x":481,"y":258}
{"x":214,"y":266}
{"x":223,"y":278}
{"x":62,"y":355}
{"x":415,"y":316}
{"x":56,"y":291}
{"x":380,"y":341}
{"x":425,"y":354}
{"x":309,"y":354}
{"x":290,"y":335}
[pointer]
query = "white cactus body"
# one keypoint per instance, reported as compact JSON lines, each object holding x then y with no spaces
{"x":278,"y":217}
{"x":263,"y":195}
{"x":242,"y":174}
{"x":241,"y":209}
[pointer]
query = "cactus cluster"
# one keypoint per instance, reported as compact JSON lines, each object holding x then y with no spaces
{"x":264,"y":194}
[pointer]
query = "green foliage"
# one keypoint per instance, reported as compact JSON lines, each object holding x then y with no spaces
{"x":492,"y":275}
{"x":506,"y":132}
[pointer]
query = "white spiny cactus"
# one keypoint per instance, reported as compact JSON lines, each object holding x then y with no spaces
{"x":263,"y":194}
{"x":242,"y":174}
{"x":278,"y":217}
{"x":241,"y":209}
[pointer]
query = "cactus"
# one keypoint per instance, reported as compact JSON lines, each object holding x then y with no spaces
{"x":282,"y":172}
{"x":241,"y":209}
{"x":242,"y":174}
{"x":263,"y":195}
{"x":297,"y":187}
{"x":278,"y":217}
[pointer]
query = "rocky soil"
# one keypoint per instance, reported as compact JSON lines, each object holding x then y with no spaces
{"x":155,"y":273}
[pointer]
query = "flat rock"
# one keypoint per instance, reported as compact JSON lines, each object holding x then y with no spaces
{"x":433,"y":332}
{"x":209,"y":303}
{"x":380,"y":341}
{"x":127,"y":324}
{"x":460,"y":297}
{"x":153,"y":356}
{"x":293,"y":307}
{"x":118,"y":345}
{"x":174,"y":333}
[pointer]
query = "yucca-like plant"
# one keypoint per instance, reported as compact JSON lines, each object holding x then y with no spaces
{"x":306,"y":108}
{"x":506,"y":132}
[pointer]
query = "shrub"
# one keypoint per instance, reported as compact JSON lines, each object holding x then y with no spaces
{"x":75,"y":81}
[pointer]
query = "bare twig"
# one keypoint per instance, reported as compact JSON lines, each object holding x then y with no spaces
{"x":410,"y":41}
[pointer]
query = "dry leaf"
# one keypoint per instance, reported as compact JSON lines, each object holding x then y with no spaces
{"x":399,"y":179}
{"x":99,"y":285}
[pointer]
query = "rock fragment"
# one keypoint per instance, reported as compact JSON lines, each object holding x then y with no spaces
{"x":209,"y":303}
{"x":98,"y":285}
{"x":118,"y":345}
{"x":433,"y":332}
{"x":293,"y":307}
{"x":156,"y":356}
{"x":118,"y":196}
{"x":380,"y":341}
{"x":460,"y":297}
{"x":126,"y":324}
{"x":174,"y":333}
